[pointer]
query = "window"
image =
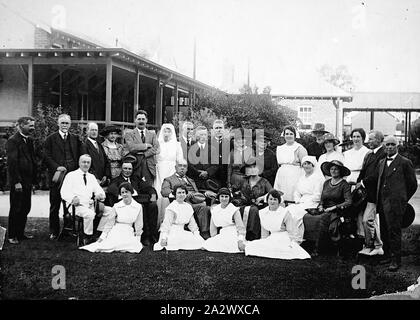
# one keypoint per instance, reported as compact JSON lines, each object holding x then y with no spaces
{"x":305,"y":114}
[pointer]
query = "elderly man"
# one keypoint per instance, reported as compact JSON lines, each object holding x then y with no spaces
{"x":367,"y":179}
{"x":317,"y":148}
{"x":144,"y":145}
{"x":221,"y":143}
{"x":201,"y":210}
{"x":397,"y":183}
{"x":62,"y":151}
{"x":266,"y":158}
{"x":144,"y":194}
{"x":100,"y":166}
{"x":80,"y":188}
{"x":21,"y":167}
{"x":186,"y":138}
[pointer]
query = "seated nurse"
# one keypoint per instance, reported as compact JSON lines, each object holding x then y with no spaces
{"x":178,"y":213}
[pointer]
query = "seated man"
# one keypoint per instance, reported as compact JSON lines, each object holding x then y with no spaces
{"x":144,"y":194}
{"x":201,"y":210}
{"x":79,"y":189}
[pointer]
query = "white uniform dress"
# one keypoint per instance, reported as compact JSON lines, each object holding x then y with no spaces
{"x":276,"y":241}
{"x":290,"y":169}
{"x":232,"y":229}
{"x":307,"y":195}
{"x":177,"y":215}
{"x":353,"y":159}
{"x":120,"y":235}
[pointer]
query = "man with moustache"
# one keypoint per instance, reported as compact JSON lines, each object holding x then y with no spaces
{"x":100,"y":166}
{"x":397,"y":183}
{"x":61,"y":155}
{"x":144,"y":145}
{"x":21,"y":167}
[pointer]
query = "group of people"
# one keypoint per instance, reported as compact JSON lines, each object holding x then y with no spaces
{"x":226,"y":192}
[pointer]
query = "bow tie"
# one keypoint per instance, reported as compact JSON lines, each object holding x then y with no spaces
{"x":389,"y":159}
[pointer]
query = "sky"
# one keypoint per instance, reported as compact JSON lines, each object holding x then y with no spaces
{"x":281,"y":41}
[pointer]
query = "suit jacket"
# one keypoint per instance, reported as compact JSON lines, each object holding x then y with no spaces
{"x":222,"y":150}
{"x":170,"y":182}
{"x":21,"y":165}
{"x":136,"y":147}
{"x":269,"y":170}
{"x":369,"y":173}
{"x":315,"y":149}
{"x":54,"y":151}
{"x":201,"y":160}
{"x":100,"y":164}
{"x":144,"y":190}
{"x":400,"y":185}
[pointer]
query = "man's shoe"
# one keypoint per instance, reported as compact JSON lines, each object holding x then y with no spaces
{"x":26,"y":237}
{"x":13,"y":240}
{"x":376,"y":252}
{"x":394,"y":266}
{"x":365,"y":251}
{"x":53,"y":236}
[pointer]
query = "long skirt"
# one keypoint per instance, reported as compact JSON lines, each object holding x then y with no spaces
{"x":297,"y":211}
{"x":120,"y":238}
{"x":286,"y":180}
{"x":276,"y":246}
{"x":180,"y":239}
{"x":225,"y":241}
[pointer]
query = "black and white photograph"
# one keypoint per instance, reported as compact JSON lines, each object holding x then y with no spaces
{"x":209,"y":157}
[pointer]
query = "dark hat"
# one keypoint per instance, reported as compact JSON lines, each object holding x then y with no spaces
{"x":326,"y":166}
{"x":108,"y":129}
{"x":212,"y":185}
{"x":347,"y":142}
{"x":330,"y":137}
{"x":252,"y":162}
{"x":408,"y":217}
{"x":319,"y":128}
{"x":58,"y":177}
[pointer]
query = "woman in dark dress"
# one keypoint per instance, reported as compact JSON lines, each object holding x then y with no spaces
{"x":335,"y":199}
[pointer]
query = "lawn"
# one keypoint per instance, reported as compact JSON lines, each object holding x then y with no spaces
{"x":26,"y":273}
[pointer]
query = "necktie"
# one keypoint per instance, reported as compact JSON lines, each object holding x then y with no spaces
{"x":65,"y":137}
{"x":185,"y":180}
{"x":84,"y":179}
{"x":188,"y":142}
{"x":128,"y":180}
{"x":143,"y":138}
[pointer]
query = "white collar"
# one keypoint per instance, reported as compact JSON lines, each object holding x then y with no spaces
{"x":140,"y":130}
{"x":62,"y":133}
{"x":393,"y":157}
{"x":376,"y":149}
{"x":93,"y":141}
{"x":133,"y":204}
{"x":201,"y":145}
{"x":81,"y":172}
{"x":26,"y":137}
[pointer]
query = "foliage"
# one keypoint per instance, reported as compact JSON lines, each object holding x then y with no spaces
{"x":251,"y":111}
{"x":339,"y":77}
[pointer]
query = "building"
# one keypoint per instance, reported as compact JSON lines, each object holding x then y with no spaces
{"x":89,"y":81}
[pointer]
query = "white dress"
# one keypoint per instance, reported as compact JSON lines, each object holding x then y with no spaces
{"x":290,"y":170}
{"x":177,"y":215}
{"x":170,"y":152}
{"x":353,"y":159}
{"x":119,"y":235}
{"x":277,"y":245}
{"x":307,"y":195}
{"x":229,"y":235}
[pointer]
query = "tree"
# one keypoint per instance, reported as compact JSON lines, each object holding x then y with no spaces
{"x":339,"y":77}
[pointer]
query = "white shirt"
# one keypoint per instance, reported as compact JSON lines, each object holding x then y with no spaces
{"x":201,"y":145}
{"x":388,"y":162}
{"x":353,"y":159}
{"x":74,"y":186}
{"x":140,"y":131}
{"x":62,"y":134}
{"x":94,"y":142}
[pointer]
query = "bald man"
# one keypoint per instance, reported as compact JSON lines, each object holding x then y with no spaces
{"x":397,"y":183}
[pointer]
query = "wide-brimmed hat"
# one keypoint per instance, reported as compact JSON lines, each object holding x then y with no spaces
{"x":108,"y":129}
{"x":330,"y":137}
{"x":319,"y":128}
{"x":347,"y":142}
{"x":212,"y":185}
{"x":252,"y":162}
{"x":326,"y":166}
{"x":408,"y":216}
{"x":58,"y":177}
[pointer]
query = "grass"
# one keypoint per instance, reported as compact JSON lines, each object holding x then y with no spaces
{"x":26,"y":274}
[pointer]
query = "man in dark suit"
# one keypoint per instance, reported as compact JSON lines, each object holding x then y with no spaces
{"x":61,"y":153}
{"x":201,"y":210}
{"x":186,"y":138}
{"x":21,"y":167}
{"x":266,"y":158}
{"x":144,"y":194}
{"x":100,"y":166}
{"x":199,"y":158}
{"x":368,"y":179}
{"x":221,"y":144}
{"x":143,"y":144}
{"x":397,"y":183}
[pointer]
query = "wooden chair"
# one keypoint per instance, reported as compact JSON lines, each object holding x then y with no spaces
{"x":72,"y":224}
